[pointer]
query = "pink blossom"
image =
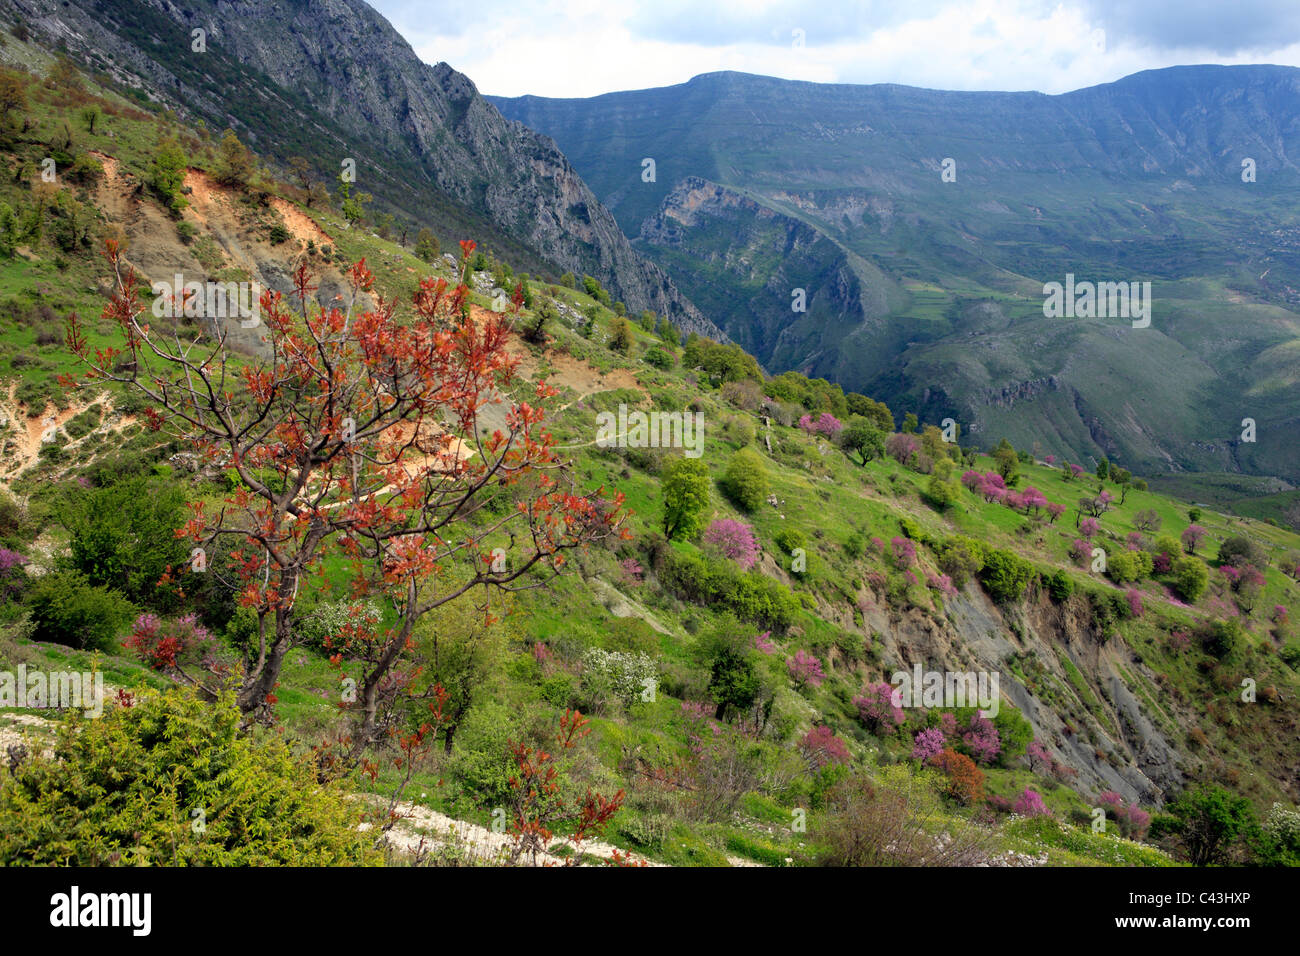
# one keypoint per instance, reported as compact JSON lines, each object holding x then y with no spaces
{"x":735,"y":539}
{"x":804,"y":669}
{"x":877,"y":708}
{"x":1030,"y":804}
{"x":927,"y":743}
{"x":1134,"y":598}
{"x":982,"y":738}
{"x":820,"y":747}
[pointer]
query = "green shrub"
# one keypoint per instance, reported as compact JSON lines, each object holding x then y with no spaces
{"x":1060,"y":585}
{"x":172,"y":781}
{"x":67,"y":609}
{"x":787,"y":539}
{"x":745,"y":481}
{"x":961,"y":558}
{"x":1191,"y":577}
{"x":751,"y":596}
{"x":660,"y":358}
{"x":123,"y":536}
{"x":1223,"y":637}
{"x":1125,"y":566}
{"x":1005,"y":575}
{"x":686,"y":496}
{"x":1241,"y":551}
{"x":481,"y":759}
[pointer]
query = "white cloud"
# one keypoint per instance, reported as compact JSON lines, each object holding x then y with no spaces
{"x":587,"y":47}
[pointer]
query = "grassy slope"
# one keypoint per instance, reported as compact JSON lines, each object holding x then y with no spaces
{"x":824,"y":495}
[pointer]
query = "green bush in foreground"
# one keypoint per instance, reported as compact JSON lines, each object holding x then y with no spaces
{"x":171,"y":781}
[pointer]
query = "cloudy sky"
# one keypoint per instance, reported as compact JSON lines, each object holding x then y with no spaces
{"x":587,"y":47}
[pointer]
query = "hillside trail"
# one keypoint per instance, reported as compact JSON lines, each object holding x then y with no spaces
{"x":422,"y":828}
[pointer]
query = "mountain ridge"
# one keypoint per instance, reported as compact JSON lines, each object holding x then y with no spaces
{"x":1139,"y":178}
{"x":427,"y":144}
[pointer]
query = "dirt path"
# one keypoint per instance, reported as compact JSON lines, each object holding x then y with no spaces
{"x":421,"y":826}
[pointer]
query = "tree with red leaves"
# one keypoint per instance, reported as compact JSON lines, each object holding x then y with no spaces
{"x":358,"y":433}
{"x":538,"y":804}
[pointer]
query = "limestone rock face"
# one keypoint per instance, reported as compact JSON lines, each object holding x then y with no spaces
{"x":331,"y":80}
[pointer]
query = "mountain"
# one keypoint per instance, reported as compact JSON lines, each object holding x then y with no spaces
{"x":332,"y":80}
{"x":927,"y":289}
{"x":731,"y":680}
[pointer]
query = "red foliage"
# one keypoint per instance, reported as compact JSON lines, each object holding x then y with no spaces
{"x":356,"y":433}
{"x":965,"y":780}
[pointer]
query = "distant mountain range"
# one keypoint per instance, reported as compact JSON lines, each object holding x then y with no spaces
{"x":922,"y":226}
{"x":332,"y":79}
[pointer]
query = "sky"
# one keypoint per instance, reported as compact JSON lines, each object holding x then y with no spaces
{"x":574,"y":48}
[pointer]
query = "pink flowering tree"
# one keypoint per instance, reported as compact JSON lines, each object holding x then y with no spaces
{"x":941,"y":583}
{"x":824,"y":424}
{"x":902,"y":447}
{"x":1089,"y":527}
{"x":1030,"y":804}
{"x":927,"y":743}
{"x":904,"y":552}
{"x":877,"y":709}
{"x":820,"y":747}
{"x":805,"y":670}
{"x":1039,"y":757}
{"x":982,"y":739}
{"x":1054,"y":511}
{"x":735,"y":539}
{"x":1134,"y":599}
{"x":763,"y":643}
{"x":1032,"y":500}
{"x":1080,"y":551}
{"x":1192,"y":536}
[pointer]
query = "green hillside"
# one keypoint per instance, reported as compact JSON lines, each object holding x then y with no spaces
{"x":729,"y":647}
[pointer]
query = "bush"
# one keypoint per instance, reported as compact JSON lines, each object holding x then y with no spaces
{"x":965,"y":781}
{"x":660,"y":358}
{"x":787,"y":539}
{"x":751,"y":596}
{"x":1191,"y":577}
{"x":891,"y":822}
{"x":735,"y":540}
{"x":617,"y":674}
{"x":1239,"y":552}
{"x":1060,"y":585}
{"x":67,"y":609}
{"x":1223,"y":637}
{"x":745,"y":481}
{"x":123,"y":537}
{"x":1005,"y":575}
{"x":481,"y":759}
{"x":1125,"y":566}
{"x":686,"y":496}
{"x":128,"y":789}
{"x":961,"y":558}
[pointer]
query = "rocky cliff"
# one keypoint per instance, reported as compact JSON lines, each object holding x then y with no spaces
{"x":331,"y":79}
